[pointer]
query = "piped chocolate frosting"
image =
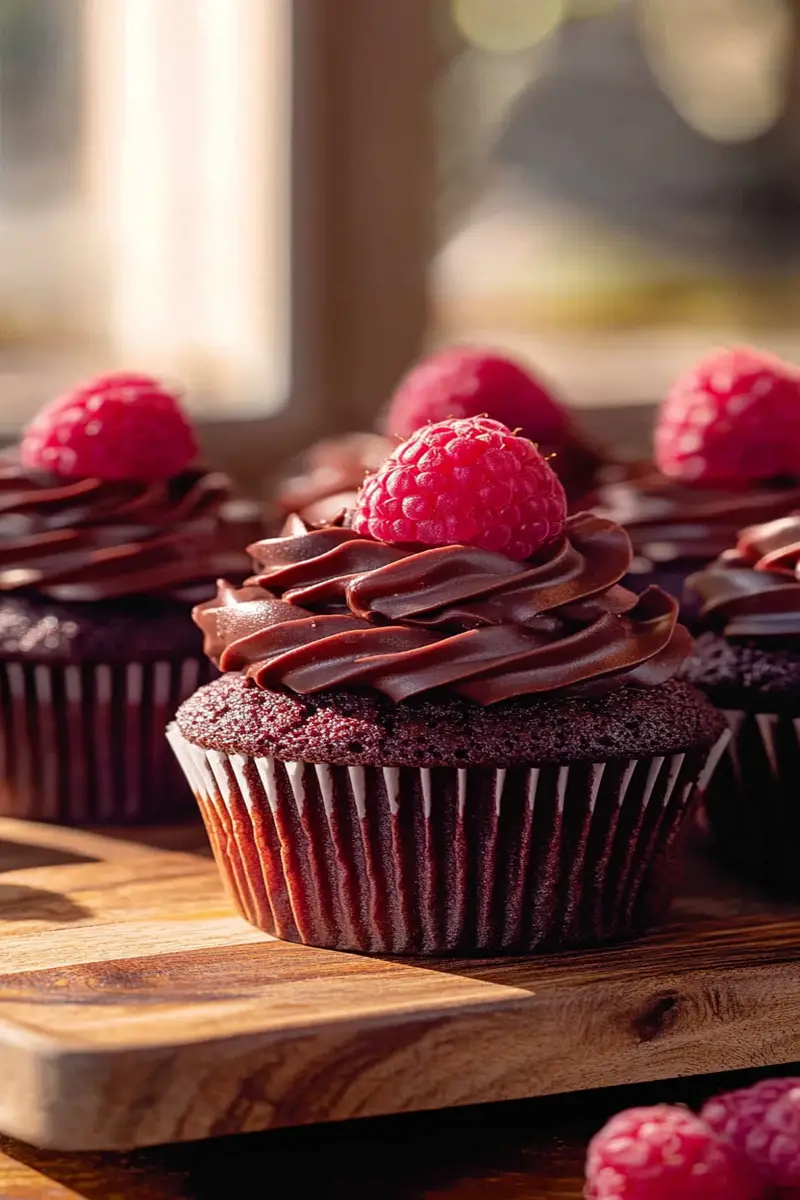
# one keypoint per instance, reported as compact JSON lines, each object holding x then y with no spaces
{"x":667,"y":520}
{"x":753,"y":591}
{"x":328,"y":608}
{"x":92,"y":540}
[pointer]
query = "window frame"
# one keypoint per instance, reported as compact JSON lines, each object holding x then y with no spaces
{"x":360,"y":226}
{"x":363,"y":75}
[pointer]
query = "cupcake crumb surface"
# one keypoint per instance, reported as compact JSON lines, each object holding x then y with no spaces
{"x":746,"y":674}
{"x":351,"y":728}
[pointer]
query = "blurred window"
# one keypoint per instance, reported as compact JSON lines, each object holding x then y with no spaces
{"x":233,"y":193}
{"x":618,"y":184}
{"x":40,"y":100}
{"x":144,"y":196}
{"x":278,"y":202}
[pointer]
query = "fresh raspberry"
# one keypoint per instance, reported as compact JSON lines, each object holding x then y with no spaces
{"x":467,"y":382}
{"x":663,"y":1153}
{"x":471,"y":482}
{"x":734,"y":418}
{"x":121,"y":426}
{"x":762,"y":1124}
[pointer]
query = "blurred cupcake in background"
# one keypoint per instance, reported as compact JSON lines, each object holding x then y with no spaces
{"x":329,"y":476}
{"x":726,"y":455}
{"x":747,"y":661}
{"x":109,"y":533}
{"x":461,"y":381}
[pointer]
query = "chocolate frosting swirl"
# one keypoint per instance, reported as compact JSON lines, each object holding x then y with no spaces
{"x":89,"y":540}
{"x":667,"y":520}
{"x":754,"y":590}
{"x":331,"y":609}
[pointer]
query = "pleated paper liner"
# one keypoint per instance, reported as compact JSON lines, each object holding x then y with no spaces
{"x":84,"y":744}
{"x":444,"y":860}
{"x":753,"y":800}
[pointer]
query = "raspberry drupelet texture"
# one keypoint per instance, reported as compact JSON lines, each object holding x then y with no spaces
{"x":464,"y":381}
{"x":734,"y":418}
{"x":117,"y":427}
{"x":470,"y":482}
{"x":762,"y":1124}
{"x":662,"y":1153}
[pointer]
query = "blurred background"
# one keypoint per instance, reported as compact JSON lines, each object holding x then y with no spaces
{"x":283,"y":203}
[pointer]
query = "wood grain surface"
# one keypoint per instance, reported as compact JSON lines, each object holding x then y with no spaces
{"x":524,"y":1150}
{"x":136,"y":1009}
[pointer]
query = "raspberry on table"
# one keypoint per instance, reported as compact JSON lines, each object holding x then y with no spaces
{"x":470,"y":482}
{"x":465,"y":381}
{"x":762,"y":1124}
{"x":116,"y":427}
{"x":733,"y":418}
{"x":664,"y":1153}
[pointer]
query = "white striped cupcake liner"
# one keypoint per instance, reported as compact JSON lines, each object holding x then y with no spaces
{"x":84,"y":744}
{"x":426,"y":861}
{"x":752,"y":802}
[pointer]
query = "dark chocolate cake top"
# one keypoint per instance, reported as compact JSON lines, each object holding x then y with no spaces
{"x":363,"y":727}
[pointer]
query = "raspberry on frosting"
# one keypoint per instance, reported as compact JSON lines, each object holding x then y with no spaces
{"x":123,"y":426}
{"x":664,"y":1153}
{"x":762,"y":1124}
{"x":464,"y":381}
{"x":470,"y":482}
{"x":734,"y":418}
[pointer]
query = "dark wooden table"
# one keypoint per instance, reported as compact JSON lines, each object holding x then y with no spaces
{"x":528,"y":1150}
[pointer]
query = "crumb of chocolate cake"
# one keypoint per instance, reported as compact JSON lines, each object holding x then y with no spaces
{"x":145,"y":629}
{"x":746,"y":674}
{"x":350,"y":728}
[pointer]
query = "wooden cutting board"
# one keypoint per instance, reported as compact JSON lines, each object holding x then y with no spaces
{"x":136,"y":1008}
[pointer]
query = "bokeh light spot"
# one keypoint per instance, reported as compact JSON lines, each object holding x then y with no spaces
{"x":507,"y":26}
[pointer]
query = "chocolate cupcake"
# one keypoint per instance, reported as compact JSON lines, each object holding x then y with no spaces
{"x":726,"y":457}
{"x":429,"y":748}
{"x":108,"y":536}
{"x":747,"y":661}
{"x":458,"y":382}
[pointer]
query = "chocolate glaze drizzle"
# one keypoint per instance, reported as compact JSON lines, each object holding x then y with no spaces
{"x":330,"y":609}
{"x":754,"y":590}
